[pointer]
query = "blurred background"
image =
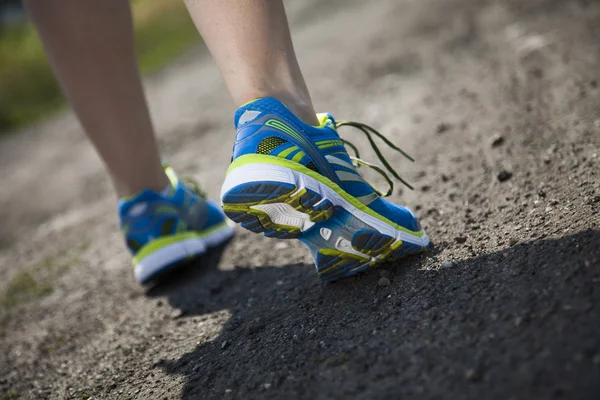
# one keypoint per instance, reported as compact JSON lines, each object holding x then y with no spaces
{"x":28,"y":90}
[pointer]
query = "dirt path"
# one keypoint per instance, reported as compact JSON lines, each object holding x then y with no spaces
{"x":499,"y":103}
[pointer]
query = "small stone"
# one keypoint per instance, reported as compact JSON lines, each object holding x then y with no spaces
{"x":497,"y":140}
{"x":267,"y":386}
{"x":448,"y":264}
{"x":512,"y":241}
{"x":384,"y":273}
{"x":383,"y":282}
{"x":313,"y":331}
{"x":178,"y":314}
{"x":442,"y":127}
{"x":518,"y":321}
{"x":460,"y":239}
{"x":281,"y":245}
{"x":472,"y":375}
{"x":504,"y":175}
{"x":254,"y":327}
{"x":224,"y":344}
{"x":541,"y":194}
{"x":159,"y":303}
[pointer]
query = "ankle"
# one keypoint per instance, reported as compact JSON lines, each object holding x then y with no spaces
{"x":132,"y":185}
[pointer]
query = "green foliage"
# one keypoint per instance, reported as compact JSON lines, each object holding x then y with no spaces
{"x":28,"y":90}
{"x":35,"y":281}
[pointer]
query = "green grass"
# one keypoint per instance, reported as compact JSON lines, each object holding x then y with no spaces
{"x":28,"y":90}
{"x":34,"y":282}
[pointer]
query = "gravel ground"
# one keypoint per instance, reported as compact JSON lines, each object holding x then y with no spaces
{"x":499,"y":103}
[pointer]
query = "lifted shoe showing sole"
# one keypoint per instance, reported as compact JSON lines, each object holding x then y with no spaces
{"x":285,"y":200}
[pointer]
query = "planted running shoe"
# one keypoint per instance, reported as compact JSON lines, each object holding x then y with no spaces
{"x":292,"y":180}
{"x":164,"y":230}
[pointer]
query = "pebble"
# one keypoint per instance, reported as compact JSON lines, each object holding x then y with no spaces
{"x":472,"y":375}
{"x":281,"y":245}
{"x":497,"y":140}
{"x":267,"y":386}
{"x":504,"y":175}
{"x":178,"y":314}
{"x":448,"y":264}
{"x":442,"y":127}
{"x":252,"y":328}
{"x":384,"y":273}
{"x":512,"y":241}
{"x":460,"y":239}
{"x":383,"y":282}
{"x":224,"y":344}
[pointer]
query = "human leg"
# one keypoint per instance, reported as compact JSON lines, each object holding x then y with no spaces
{"x":90,"y":46}
{"x":291,"y":176}
{"x":251,"y":44}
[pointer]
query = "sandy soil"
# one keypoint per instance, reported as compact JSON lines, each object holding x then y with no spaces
{"x":499,"y":103}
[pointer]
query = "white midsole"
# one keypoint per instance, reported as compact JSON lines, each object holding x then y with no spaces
{"x":154,"y":262}
{"x":258,"y":172}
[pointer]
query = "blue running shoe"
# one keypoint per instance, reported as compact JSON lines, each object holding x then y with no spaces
{"x":288,"y":180}
{"x":163,"y":231}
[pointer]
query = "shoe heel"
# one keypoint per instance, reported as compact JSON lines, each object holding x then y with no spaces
{"x":367,"y":248}
{"x":277,"y":209}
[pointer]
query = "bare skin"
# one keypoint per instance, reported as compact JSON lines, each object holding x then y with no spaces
{"x":90,"y":46}
{"x":251,"y":44}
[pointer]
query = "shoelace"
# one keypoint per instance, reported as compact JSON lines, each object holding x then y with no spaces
{"x":369,"y":131}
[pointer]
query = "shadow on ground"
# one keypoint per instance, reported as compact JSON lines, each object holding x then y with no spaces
{"x":518,"y":323}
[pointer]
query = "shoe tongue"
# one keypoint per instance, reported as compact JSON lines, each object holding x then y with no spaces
{"x":326,"y":120}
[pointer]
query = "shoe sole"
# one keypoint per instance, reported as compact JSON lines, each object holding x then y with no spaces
{"x":286,"y":200}
{"x":178,"y":249}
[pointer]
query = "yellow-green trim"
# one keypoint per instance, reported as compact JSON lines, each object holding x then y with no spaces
{"x":164,"y":241}
{"x":250,"y":102}
{"x":287,"y":151}
{"x":274,"y":123}
{"x":261,"y":158}
{"x":323,"y":119}
{"x":298,"y":156}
